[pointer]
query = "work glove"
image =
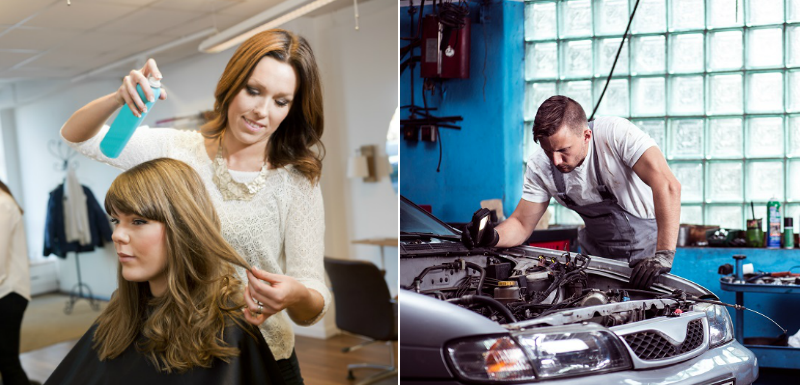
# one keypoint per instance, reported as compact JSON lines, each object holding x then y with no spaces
{"x":480,"y":232}
{"x":646,"y":270}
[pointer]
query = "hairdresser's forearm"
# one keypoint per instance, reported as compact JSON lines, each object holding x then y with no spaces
{"x":87,"y":122}
{"x":309,"y":306}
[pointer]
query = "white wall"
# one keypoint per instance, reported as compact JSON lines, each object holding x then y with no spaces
{"x":36,"y":125}
{"x":361,"y":94}
{"x":359,"y":72}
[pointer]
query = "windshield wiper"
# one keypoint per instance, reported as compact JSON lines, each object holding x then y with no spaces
{"x":419,"y":235}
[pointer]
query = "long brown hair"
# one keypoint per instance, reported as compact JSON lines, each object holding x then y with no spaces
{"x":294,"y":141}
{"x":4,"y":188}
{"x":182,"y":328}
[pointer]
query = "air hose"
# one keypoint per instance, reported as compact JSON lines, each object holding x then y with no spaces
{"x":483,"y":300}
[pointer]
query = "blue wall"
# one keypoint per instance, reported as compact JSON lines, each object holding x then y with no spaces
{"x":483,"y":160}
{"x":700,"y":265}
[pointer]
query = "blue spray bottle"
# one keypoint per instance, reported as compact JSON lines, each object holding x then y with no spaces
{"x":126,"y":122}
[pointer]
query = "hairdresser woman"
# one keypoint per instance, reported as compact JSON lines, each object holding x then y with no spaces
{"x":261,"y":160}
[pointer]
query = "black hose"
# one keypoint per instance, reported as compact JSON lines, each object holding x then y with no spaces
{"x":425,"y":272}
{"x":451,"y":16}
{"x":483,"y":300}
{"x":477,"y":267}
{"x":566,"y":278}
{"x":614,"y":65}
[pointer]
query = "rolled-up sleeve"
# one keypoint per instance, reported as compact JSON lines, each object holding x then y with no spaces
{"x":304,"y":240}
{"x":533,"y":187}
{"x":631,"y":142}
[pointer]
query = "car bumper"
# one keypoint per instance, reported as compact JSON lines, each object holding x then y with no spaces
{"x":728,"y":362}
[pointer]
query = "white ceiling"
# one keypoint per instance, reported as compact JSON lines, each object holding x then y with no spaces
{"x":42,"y":39}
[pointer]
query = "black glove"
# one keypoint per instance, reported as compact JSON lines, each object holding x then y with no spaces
{"x":646,"y":270}
{"x":480,"y":232}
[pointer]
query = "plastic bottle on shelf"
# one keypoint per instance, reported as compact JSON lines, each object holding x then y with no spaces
{"x":788,"y":233}
{"x":773,"y":224}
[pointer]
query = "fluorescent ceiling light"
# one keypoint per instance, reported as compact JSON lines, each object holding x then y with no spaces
{"x":271,"y":18}
{"x":145,"y":54}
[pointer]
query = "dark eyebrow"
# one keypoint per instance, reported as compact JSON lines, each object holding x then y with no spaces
{"x":262,"y":87}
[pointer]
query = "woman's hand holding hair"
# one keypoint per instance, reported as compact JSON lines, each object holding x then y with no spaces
{"x":252,"y":313}
{"x":279,"y":292}
{"x":127,"y":94}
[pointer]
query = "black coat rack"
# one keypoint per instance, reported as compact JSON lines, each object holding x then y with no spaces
{"x":65,"y":154}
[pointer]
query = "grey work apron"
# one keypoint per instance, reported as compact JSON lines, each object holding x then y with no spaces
{"x":610,"y":231}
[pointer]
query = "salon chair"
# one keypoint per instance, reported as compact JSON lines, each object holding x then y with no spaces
{"x":365,"y":308}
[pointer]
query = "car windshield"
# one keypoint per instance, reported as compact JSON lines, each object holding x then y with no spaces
{"x":415,"y":220}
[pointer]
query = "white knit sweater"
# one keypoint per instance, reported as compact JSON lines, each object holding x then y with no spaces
{"x":281,"y":230}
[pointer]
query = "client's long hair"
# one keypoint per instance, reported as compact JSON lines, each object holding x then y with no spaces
{"x":183,"y":328}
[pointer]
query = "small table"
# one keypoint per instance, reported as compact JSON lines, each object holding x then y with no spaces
{"x":768,"y":356}
{"x":382,"y":242}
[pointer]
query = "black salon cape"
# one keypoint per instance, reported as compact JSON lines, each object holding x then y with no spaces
{"x":255,"y":365}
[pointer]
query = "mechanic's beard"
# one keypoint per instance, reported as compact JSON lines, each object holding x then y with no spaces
{"x":568,"y":169}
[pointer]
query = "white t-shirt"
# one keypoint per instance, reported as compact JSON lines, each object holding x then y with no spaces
{"x":281,"y":230}
{"x":620,"y":144}
{"x":14,"y":265}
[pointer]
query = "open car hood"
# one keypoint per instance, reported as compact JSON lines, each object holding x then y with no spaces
{"x":525,"y":281}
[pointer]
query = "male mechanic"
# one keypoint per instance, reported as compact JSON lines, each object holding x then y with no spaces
{"x":608,"y":171}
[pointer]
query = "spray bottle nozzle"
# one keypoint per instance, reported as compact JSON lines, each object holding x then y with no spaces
{"x":154,"y":82}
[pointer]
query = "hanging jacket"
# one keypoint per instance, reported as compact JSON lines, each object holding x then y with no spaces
{"x":55,"y":239}
{"x":76,"y":213}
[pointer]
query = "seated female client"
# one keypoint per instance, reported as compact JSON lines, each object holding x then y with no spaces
{"x":176,"y":317}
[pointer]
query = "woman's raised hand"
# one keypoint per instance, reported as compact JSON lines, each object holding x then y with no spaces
{"x":127,"y":94}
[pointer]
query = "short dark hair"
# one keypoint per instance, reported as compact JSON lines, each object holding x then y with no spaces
{"x":554,"y":112}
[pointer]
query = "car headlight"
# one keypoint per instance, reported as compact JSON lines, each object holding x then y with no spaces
{"x":497,"y":358}
{"x":567,"y":353}
{"x":544,"y":353}
{"x":720,"y":326}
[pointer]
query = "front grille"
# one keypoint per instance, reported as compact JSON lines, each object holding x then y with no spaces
{"x":651,"y":345}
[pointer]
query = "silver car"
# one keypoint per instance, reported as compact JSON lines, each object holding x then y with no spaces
{"x":532,"y":315}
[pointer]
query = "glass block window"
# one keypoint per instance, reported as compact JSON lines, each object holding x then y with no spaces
{"x":716,"y":83}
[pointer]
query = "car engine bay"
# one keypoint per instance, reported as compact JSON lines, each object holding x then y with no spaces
{"x":516,"y":285}
{"x":531,"y":313}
